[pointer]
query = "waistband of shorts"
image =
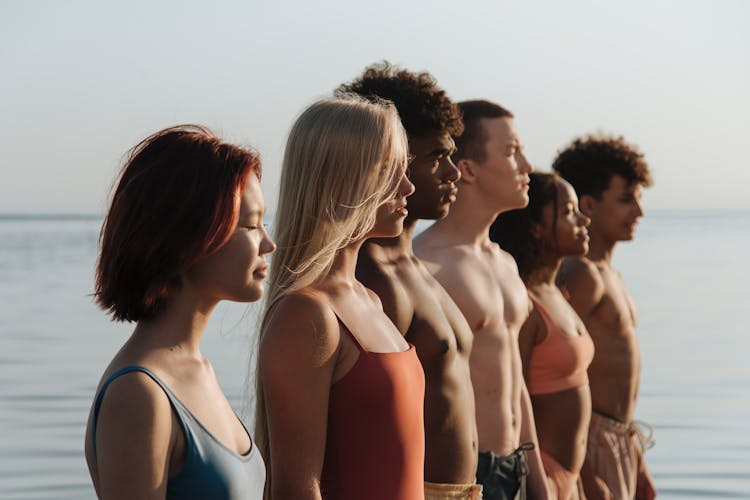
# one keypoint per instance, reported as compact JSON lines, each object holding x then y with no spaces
{"x":515,"y":454}
{"x":642,"y":430}
{"x":449,"y":490}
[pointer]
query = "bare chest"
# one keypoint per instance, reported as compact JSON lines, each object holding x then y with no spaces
{"x":437,"y":326}
{"x":613,"y":321}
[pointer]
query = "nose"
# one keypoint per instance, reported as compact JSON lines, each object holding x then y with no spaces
{"x":450,"y":172}
{"x":524,"y":166}
{"x":267,"y":245}
{"x":583,"y":219}
{"x":405,"y":187}
{"x":638,"y":208}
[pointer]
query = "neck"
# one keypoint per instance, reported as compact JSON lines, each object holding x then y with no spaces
{"x":545,"y":272}
{"x":468,"y":221}
{"x":345,"y":263}
{"x":400,"y":245}
{"x":600,"y":249}
{"x":179,"y":326}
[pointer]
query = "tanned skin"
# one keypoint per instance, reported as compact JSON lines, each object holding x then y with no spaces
{"x":483,"y":280}
{"x":428,"y":318}
{"x":562,"y":417}
{"x":598,"y":294}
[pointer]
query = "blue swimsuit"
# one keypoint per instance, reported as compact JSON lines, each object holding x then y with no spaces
{"x":210,"y":470}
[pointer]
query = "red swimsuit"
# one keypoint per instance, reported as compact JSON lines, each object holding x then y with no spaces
{"x":375,"y":439}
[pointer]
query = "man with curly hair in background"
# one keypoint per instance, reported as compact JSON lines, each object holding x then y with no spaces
{"x":608,"y":174}
{"x":484,"y":282}
{"x":416,"y":303}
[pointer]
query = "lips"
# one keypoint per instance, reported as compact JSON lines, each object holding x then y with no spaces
{"x":401,"y":210}
{"x":450,"y":195}
{"x":261,"y":271}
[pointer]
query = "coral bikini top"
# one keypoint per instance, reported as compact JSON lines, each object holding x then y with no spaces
{"x":560,"y":361}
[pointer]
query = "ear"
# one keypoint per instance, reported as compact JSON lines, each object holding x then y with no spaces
{"x":468,"y":171}
{"x":586,"y":204}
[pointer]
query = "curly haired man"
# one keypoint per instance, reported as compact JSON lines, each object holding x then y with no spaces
{"x":419,"y":307}
{"x":608,"y":174}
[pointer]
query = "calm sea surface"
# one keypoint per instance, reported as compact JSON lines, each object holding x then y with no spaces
{"x":688,"y":273}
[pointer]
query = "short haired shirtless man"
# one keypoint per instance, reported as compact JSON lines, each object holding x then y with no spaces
{"x":420,"y":308}
{"x":484,"y":282}
{"x":608,"y":173}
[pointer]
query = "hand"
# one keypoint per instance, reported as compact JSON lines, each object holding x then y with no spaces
{"x":644,"y":486}
{"x":594,"y":486}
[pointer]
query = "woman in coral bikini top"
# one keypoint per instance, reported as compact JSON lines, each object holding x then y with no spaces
{"x":341,"y":393}
{"x":556,"y":349}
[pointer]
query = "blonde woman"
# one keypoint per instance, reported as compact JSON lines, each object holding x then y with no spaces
{"x":340,"y":401}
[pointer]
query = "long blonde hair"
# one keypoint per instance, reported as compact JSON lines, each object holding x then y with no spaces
{"x":343,"y":159}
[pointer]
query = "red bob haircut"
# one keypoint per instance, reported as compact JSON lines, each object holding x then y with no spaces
{"x":177,"y":200}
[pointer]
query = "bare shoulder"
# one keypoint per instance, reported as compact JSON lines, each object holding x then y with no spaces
{"x":438,"y":256}
{"x":431,"y":249}
{"x":300,"y":324}
{"x":136,"y":392}
{"x":505,"y":259}
{"x":580,"y":273}
{"x":134,"y":405}
{"x":381,"y":284}
{"x":375,"y":297}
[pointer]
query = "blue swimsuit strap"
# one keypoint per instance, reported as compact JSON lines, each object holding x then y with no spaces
{"x":122,"y":371}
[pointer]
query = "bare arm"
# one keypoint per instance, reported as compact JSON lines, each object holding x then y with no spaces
{"x":298,"y":355}
{"x":536,"y":481}
{"x":134,"y":439}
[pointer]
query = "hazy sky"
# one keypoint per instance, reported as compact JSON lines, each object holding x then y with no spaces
{"x":82,"y":82}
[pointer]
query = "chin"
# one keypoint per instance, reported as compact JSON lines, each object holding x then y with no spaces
{"x":440,"y":213}
{"x":628,"y":236}
{"x":523,"y":202}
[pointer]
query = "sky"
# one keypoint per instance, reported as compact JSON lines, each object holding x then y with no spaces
{"x":84,"y":81}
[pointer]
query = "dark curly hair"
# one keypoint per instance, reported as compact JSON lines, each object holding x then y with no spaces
{"x":589,"y":163}
{"x":422,"y":105}
{"x":512,"y":230}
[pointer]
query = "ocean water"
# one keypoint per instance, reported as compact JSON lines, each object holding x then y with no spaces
{"x":688,"y":273}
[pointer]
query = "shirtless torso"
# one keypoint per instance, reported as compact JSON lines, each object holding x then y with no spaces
{"x":484,"y":283}
{"x":425,"y":314}
{"x":597,"y":293}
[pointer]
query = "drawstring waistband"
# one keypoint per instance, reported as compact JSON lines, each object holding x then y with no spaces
{"x":646,"y":439}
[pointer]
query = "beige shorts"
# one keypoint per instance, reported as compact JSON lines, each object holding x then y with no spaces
{"x":438,"y":491}
{"x":614,"y":453}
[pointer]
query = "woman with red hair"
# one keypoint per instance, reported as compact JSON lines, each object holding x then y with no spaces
{"x":183,"y":232}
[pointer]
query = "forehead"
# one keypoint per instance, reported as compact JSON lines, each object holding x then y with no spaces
{"x":430,"y":142}
{"x":499,"y":129}
{"x":565,"y":192}
{"x":619,"y":185}
{"x":251,"y":200}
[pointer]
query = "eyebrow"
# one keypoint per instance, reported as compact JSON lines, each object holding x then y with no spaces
{"x":443,"y":151}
